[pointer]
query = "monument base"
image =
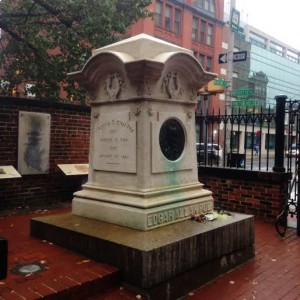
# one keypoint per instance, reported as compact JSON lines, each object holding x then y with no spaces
{"x":164,"y":263}
{"x":142,"y":210}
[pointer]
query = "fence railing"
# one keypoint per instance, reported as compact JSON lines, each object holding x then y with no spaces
{"x":245,"y":140}
{"x":257,"y":140}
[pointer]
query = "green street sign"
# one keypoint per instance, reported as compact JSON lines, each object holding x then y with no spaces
{"x":235,"y":19}
{"x":220,"y":82}
{"x":245,"y":103}
{"x":243,"y":93}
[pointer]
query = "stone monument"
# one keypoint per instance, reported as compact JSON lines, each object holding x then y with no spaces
{"x":143,"y":169}
{"x":135,"y":210}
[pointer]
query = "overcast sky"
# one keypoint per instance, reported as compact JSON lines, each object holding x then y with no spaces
{"x":280,"y":19}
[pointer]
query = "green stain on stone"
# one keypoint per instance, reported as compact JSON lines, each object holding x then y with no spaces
{"x":172,"y":177}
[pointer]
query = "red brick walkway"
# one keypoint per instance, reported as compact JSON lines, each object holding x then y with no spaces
{"x":273,"y":274}
{"x":67,"y":275}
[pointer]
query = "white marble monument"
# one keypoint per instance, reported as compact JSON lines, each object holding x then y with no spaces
{"x":143,"y":170}
{"x":143,"y":175}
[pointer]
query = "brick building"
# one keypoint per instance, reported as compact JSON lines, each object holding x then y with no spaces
{"x":193,"y":24}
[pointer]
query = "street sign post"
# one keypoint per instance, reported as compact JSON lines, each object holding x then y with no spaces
{"x":236,"y":57}
{"x":223,"y":58}
{"x":245,"y":103}
{"x":239,"y":56}
{"x":235,"y":19}
{"x":243,"y":93}
{"x":220,"y":82}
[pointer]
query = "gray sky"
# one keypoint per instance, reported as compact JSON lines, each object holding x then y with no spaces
{"x":280,"y":19}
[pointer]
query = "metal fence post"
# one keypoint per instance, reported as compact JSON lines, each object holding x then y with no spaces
{"x":279,"y":136}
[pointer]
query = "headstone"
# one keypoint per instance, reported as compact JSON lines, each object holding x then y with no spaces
{"x":143,"y":169}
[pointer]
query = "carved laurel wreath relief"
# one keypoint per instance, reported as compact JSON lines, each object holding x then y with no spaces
{"x":113,"y":85}
{"x":172,"y":85}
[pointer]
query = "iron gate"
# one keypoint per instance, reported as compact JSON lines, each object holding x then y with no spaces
{"x":292,"y":146}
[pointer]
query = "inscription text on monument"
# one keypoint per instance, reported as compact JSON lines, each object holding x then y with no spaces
{"x":178,"y":213}
{"x":115,"y":144}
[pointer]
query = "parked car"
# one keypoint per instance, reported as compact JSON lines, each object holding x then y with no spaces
{"x":214,"y":153}
{"x":293,"y":151}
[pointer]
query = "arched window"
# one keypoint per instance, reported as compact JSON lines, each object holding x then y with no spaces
{"x":208,"y":5}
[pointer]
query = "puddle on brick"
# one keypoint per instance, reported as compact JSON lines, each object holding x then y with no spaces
{"x":28,"y":268}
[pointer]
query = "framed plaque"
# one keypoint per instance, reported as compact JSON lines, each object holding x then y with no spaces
{"x":33,"y":143}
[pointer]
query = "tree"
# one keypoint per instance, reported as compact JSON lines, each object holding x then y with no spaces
{"x":43,"y":40}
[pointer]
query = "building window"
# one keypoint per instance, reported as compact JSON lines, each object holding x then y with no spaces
{"x":177,"y":22}
{"x":259,"y":90}
{"x":203,"y":32}
{"x":292,"y":56}
{"x":258,"y":40}
{"x":212,"y":6}
{"x":208,"y":5}
{"x":276,"y":49}
{"x":209,"y":38}
{"x":195,"y":27}
{"x":270,"y":141}
{"x":168,"y":18}
{"x":249,"y":140}
{"x":202,"y":59}
{"x":208,"y":63}
{"x":234,"y":139}
{"x":158,"y":14}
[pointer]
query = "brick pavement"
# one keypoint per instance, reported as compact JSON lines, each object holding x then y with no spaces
{"x":273,"y":274}
{"x":67,"y":275}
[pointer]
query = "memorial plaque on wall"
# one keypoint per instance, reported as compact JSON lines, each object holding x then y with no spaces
{"x":115,"y":143}
{"x":34,"y":143}
{"x":74,"y":169}
{"x":8,"y":172}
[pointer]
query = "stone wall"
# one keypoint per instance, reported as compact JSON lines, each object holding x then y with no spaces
{"x":261,"y":194}
{"x":69,"y":144}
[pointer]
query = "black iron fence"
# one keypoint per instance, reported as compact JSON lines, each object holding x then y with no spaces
{"x":242,"y":139}
{"x":264,"y":139}
{"x":291,"y":208}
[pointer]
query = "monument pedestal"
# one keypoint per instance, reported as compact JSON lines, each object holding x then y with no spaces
{"x":163,"y":263}
{"x":142,"y":166}
{"x":134,"y":212}
{"x":142,"y":210}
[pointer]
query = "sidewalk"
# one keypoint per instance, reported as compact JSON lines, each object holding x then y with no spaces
{"x":273,"y":274}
